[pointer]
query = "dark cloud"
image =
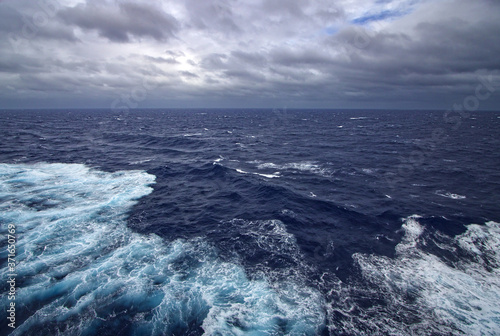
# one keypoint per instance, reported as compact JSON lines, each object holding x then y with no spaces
{"x":188,"y":74}
{"x":214,"y":61}
{"x":10,"y":19}
{"x":123,"y":21}
{"x":45,"y":82}
{"x":244,"y":75}
{"x":290,"y":57}
{"x":20,"y":27}
{"x":285,"y":7}
{"x":213,"y":15}
{"x":252,"y":58}
{"x":170,"y":60}
{"x":175,"y":53}
{"x":12,"y":67}
{"x":324,"y":11}
{"x":20,"y":64}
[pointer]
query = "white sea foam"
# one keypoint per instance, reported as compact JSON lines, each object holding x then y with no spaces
{"x":84,"y":269}
{"x":458,"y":299}
{"x":304,"y":166}
{"x":450,"y":195}
{"x":270,"y":240}
{"x":139,"y":162}
{"x":273,"y":175}
{"x":289,"y":213}
{"x":268,"y":235}
{"x":242,"y":171}
{"x":220,"y":159}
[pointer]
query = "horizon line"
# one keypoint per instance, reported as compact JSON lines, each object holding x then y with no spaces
{"x":234,"y":108}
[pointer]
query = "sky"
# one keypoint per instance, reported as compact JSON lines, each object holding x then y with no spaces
{"x":344,"y":54}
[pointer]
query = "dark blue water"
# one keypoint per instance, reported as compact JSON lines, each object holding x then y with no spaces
{"x":251,"y":222}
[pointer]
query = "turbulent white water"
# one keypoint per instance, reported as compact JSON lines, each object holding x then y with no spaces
{"x":81,"y":270}
{"x":460,"y":298}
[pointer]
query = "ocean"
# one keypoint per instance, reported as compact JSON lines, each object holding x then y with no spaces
{"x":249,"y":222}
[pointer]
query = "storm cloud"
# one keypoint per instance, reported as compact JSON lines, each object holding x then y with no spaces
{"x":269,"y":53}
{"x":122,"y":21}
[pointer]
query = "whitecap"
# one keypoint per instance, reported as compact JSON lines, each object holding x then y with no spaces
{"x":273,"y":175}
{"x":139,"y":162}
{"x":216,"y":161}
{"x":450,"y":195}
{"x":242,"y":171}
{"x":304,"y":166}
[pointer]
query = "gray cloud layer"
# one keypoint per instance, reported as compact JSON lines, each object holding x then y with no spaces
{"x":122,"y":21}
{"x":274,"y":53}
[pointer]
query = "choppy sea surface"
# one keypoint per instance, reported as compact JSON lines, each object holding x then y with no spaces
{"x":251,"y":222}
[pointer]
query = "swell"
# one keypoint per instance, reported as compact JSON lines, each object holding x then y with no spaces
{"x":190,"y":202}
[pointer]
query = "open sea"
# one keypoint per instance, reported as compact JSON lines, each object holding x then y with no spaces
{"x":250,"y":222}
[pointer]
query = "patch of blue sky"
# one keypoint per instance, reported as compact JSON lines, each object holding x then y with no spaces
{"x":331,"y":30}
{"x":384,"y":15}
